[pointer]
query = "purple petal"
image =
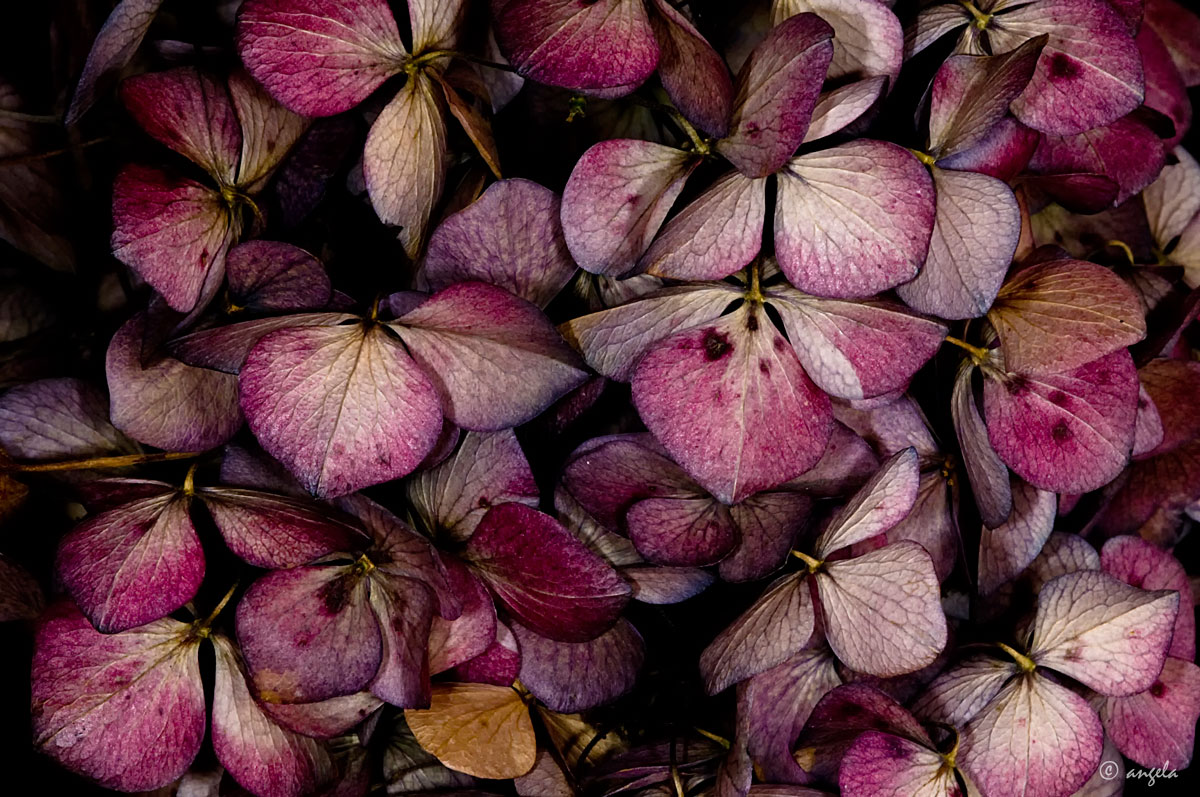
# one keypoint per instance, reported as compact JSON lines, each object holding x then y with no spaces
{"x":1165,"y":89}
{"x":607,"y":45}
{"x":132,"y":564}
{"x":773,"y":629}
{"x":1158,"y":725}
{"x":259,"y":754}
{"x":308,"y":634}
{"x":404,"y":163}
{"x":1008,"y":549}
{"x":113,"y":48}
{"x":324,"y":719}
{"x":975,"y":235}
{"x":270,"y":276}
{"x":335,"y":425}
{"x":616,"y":199}
{"x":838,"y":108}
{"x":126,"y":710}
{"x":710,"y":395}
{"x":1126,"y":151}
{"x":510,"y":237}
{"x":883,"y":501}
{"x":1180,"y":32}
{"x":20,"y":594}
{"x":453,"y":642}
{"x":498,"y":665}
{"x":58,"y":419}
{"x":776,"y":91}
{"x":988,"y":475}
{"x":1103,"y":632}
{"x":404,"y":609}
{"x":574,"y":676}
{"x":1069,"y":432}
{"x":883,"y":612}
{"x":692,"y":73}
{"x":224,"y":348}
{"x":1144,"y":565}
{"x":853,"y":220}
{"x":545,"y":576}
{"x":494,"y":359}
{"x":319,"y":57}
{"x":607,"y":475}
{"x":173,"y":232}
{"x":714,"y":236}
{"x":683,"y":532}
{"x":855,"y":350}
{"x":879,"y":763}
{"x":891,"y":428}
{"x":768,"y":524}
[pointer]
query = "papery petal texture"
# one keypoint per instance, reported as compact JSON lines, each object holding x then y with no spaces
{"x":574,"y":676}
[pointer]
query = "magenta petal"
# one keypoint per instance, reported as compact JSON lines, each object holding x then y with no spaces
{"x":271,"y":276}
{"x":608,"y":475}
{"x":1158,"y":725}
{"x":880,"y":504}
{"x":342,"y":407}
{"x":853,"y":220}
{"x":494,"y":359}
{"x":774,"y":628}
{"x":683,"y":532}
{"x":224,"y":348}
{"x":1165,"y":90}
{"x":113,"y":48}
{"x":768,"y":523}
{"x":855,"y":350}
{"x":1006,"y":550}
{"x":1082,"y":80}
{"x":404,"y":609}
{"x":1036,"y":738}
{"x":132,"y":564}
{"x":510,"y":237}
{"x":319,"y":57}
{"x":776,"y":91}
{"x":1003,"y":152}
{"x":544,"y":575}
{"x":606,"y":45}
{"x":1126,"y":151}
{"x":58,"y":419}
{"x":987,"y":473}
{"x":498,"y":665}
{"x":693,"y":74}
{"x":880,"y":763}
{"x":975,"y":234}
{"x":714,"y":236}
{"x":1148,"y":429}
{"x":453,"y":642}
{"x":575,"y":676}
{"x":1180,"y":32}
{"x":1069,"y":432}
{"x":173,"y":232}
{"x":126,"y":710}
{"x":617,"y":197}
{"x":1110,"y":636}
{"x":308,"y":633}
{"x":732,"y":405}
{"x":1144,"y":565}
{"x":259,"y":754}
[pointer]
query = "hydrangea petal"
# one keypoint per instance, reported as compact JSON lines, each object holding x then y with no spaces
{"x":404,"y":609}
{"x":225,"y":348}
{"x":880,"y":504}
{"x":58,"y":419}
{"x":880,"y":763}
{"x":269,"y":131}
{"x":768,"y":523}
{"x":325,"y":718}
{"x":113,"y":48}
{"x":683,"y":532}
{"x":453,"y":642}
{"x":271,"y":276}
{"x":574,"y":676}
{"x":692,"y":73}
{"x":957,"y":695}
{"x":1006,"y":550}
{"x":479,"y":729}
{"x":1146,"y":566}
{"x":1180,"y":32}
{"x":838,"y":108}
{"x":1158,"y":726}
{"x":608,"y":475}
{"x":987,"y":473}
{"x":1127,"y":152}
{"x":867,"y":37}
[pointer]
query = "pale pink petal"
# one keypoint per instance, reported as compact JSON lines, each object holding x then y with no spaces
{"x":1063,"y":553}
{"x":957,"y":695}
{"x":58,"y":419}
{"x":269,"y":131}
{"x":1157,"y":727}
{"x":1006,"y":550}
{"x":768,"y":523}
{"x":453,"y":642}
{"x":880,"y":504}
{"x":1144,"y":565}
{"x":867,"y":37}
{"x":883,"y":764}
{"x":225,"y":348}
{"x":838,"y":108}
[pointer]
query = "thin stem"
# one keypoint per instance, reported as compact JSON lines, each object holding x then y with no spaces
{"x":35,"y":118}
{"x":981,"y":19}
{"x":18,"y":160}
{"x":189,"y":481}
{"x":123,"y":461}
{"x":923,"y":157}
{"x":201,"y":628}
{"x":1024,"y":662}
{"x":753,"y":277}
{"x":721,"y":740}
{"x":812,"y":564}
{"x":1124,"y":247}
{"x":980,"y":356}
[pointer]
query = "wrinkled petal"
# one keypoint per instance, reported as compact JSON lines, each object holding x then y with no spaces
{"x":574,"y":676}
{"x":58,"y":419}
{"x":987,"y":472}
{"x":113,"y":48}
{"x":1007,"y":549}
{"x":1146,"y":566}
{"x":1158,"y":726}
{"x":270,"y":276}
{"x":694,"y":75}
{"x":479,"y":729}
{"x":768,"y":523}
{"x":867,"y":37}
{"x":880,"y":504}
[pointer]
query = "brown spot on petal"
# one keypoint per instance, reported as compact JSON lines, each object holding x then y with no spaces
{"x":752,"y":322}
{"x":1158,"y":689}
{"x":1017,"y":385}
{"x":716,"y":345}
{"x":1058,"y":397}
{"x":1063,"y":66}
{"x":336,"y":594}
{"x":751,"y":129}
{"x":764,"y":366}
{"x":1061,"y":432}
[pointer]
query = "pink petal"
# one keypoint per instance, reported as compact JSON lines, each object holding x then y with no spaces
{"x":714,"y":236}
{"x":574,"y":676}
{"x":588,"y":47}
{"x":323,"y":719}
{"x":498,"y":665}
{"x":683,"y":532}
{"x":319,"y":57}
{"x":958,"y":695}
{"x":546,"y":577}
{"x":1006,"y":550}
{"x":856,"y":350}
{"x":893,"y":427}
{"x":616,"y":199}
{"x":126,"y":710}
{"x":510,"y":237}
{"x":113,"y":48}
{"x":867,"y":37}
{"x":308,"y":633}
{"x":342,"y":407}
{"x":882,"y":610}
{"x":883,"y":501}
{"x":773,"y":629}
{"x":692,"y":73}
{"x":853,"y":220}
{"x":1180,"y":32}
{"x":1158,"y":726}
{"x":988,"y":475}
{"x":1103,"y":632}
{"x":404,"y":609}
{"x":1127,"y":151}
{"x":225,"y":348}
{"x":1069,"y":432}
{"x":494,"y":359}
{"x":1003,"y":152}
{"x":269,"y":276}
{"x":404,"y":163}
{"x":974,"y":237}
{"x":173,"y":232}
{"x":259,"y":754}
{"x":1148,"y":429}
{"x":58,"y":419}
{"x":768,"y":523}
{"x":132,"y":564}
{"x":1062,"y":554}
{"x":838,"y":108}
{"x":776,"y":91}
{"x":879,"y":763}
{"x":732,"y":405}
{"x":269,"y":131}
{"x":453,"y":642}
{"x":1144,"y":565}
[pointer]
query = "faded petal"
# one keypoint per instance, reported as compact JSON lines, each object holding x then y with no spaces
{"x":479,"y":729}
{"x":58,"y":419}
{"x":1006,"y":550}
{"x":575,"y":676}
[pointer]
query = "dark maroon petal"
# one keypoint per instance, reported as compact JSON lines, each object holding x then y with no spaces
{"x":1008,"y":549}
{"x":270,"y":276}
{"x":113,"y":48}
{"x":319,"y":58}
{"x":274,"y":531}
{"x":544,"y":575}
{"x":259,"y":754}
{"x":1069,"y":432}
{"x":1003,"y":153}
{"x":342,"y":407}
{"x":1180,"y":32}
{"x":20,"y":594}
{"x":58,"y":419}
{"x":1165,"y":90}
{"x":452,"y":642}
{"x":853,"y":220}
{"x":308,"y":634}
{"x":1159,"y":724}
{"x":498,"y":665}
{"x":732,"y":405}
{"x":1144,"y":565}
{"x":773,"y":629}
{"x":173,"y":232}
{"x":132,"y":564}
{"x":1126,"y":151}
{"x":587,"y":46}
{"x":404,"y":609}
{"x":987,"y":472}
{"x":126,"y":710}
{"x":575,"y":676}
{"x":776,"y":91}
{"x":510,"y":237}
{"x":225,"y":348}
{"x":767,"y":523}
{"x":693,"y":74}
{"x":683,"y":532}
